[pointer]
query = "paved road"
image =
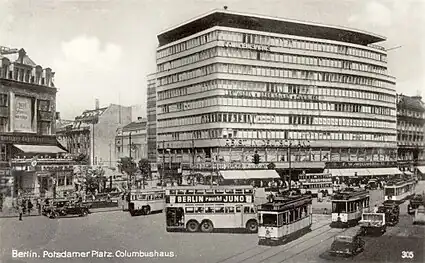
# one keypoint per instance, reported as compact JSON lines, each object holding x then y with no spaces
{"x":118,"y":231}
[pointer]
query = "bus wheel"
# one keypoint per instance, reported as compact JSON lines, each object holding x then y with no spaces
{"x":146,"y":210}
{"x":252,"y":226}
{"x":207,"y":226}
{"x":192,"y":226}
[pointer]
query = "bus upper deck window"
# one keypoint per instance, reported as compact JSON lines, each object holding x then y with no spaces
{"x":229,"y":191}
{"x":189,"y":192}
{"x":238,"y":191}
{"x":209,"y":191}
{"x":248,"y":191}
{"x":172,"y":192}
{"x":200,"y":192}
{"x":180,"y":192}
{"x":230,"y":209}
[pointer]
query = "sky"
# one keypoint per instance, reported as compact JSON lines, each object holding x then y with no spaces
{"x":104,"y":49}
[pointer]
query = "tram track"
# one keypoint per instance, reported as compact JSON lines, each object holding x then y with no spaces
{"x":260,"y":250}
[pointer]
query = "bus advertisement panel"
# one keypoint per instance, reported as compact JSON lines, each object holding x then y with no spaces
{"x":204,"y":208}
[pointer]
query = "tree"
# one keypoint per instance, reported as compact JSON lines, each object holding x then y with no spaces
{"x":127,"y":165}
{"x":81,"y":159}
{"x":256,"y":158}
{"x":271,"y":166}
{"x":95,"y":180}
{"x":144,"y":168}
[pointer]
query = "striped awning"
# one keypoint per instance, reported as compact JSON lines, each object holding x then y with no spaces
{"x":365,"y":171}
{"x":421,"y":169}
{"x":249,"y":174}
{"x":39,"y":148}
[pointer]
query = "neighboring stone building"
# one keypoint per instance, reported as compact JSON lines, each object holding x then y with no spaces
{"x":136,"y":134}
{"x":32,"y":162}
{"x":410,"y":132}
{"x":93,"y":133}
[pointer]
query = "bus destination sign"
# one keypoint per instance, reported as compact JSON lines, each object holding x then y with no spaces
{"x":182,"y":199}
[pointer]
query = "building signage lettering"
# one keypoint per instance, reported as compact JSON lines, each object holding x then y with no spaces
{"x":211,"y":199}
{"x":247,"y":46}
{"x":264,"y":143}
{"x":230,"y":166}
{"x":359,"y":164}
{"x":30,"y":138}
{"x":270,"y":95}
{"x":23,"y":114}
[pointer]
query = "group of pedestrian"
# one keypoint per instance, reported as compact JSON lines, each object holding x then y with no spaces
{"x":25,"y":206}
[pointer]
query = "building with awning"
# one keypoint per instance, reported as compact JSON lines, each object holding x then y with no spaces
{"x":249,"y":175}
{"x":370,"y":172}
{"x":32,"y":161}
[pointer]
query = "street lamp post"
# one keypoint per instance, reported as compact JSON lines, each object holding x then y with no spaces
{"x":289,"y":144}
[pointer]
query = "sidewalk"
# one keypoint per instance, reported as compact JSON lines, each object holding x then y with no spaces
{"x":9,"y":213}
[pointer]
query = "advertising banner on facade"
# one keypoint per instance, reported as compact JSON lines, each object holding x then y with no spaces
{"x":23,"y":114}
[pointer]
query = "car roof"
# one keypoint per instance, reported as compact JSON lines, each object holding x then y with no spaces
{"x":349,"y":234}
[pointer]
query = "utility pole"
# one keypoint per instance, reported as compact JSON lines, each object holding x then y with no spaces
{"x":290,"y":164}
{"x":129,"y":149}
{"x":93,"y":162}
{"x":163,"y":162}
{"x":193,"y":161}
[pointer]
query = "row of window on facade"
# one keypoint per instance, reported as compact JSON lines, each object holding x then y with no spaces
{"x":279,"y":104}
{"x":42,"y":127}
{"x":249,"y":118}
{"x":276,"y":134}
{"x":410,"y":137}
{"x":33,"y":76}
{"x":410,"y":126}
{"x":273,"y":72}
{"x":258,"y":39}
{"x":252,"y":86}
{"x":271,"y":57}
{"x":410,"y":113}
{"x":43,"y":105}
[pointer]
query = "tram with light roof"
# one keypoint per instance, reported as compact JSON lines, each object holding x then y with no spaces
{"x":284,"y":218}
{"x":348,"y":206}
{"x":399,"y":190}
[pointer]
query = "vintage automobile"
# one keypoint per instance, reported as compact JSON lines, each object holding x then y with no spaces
{"x":373,"y":223}
{"x":392,"y":213}
{"x":419,"y":218}
{"x":372,"y":184}
{"x":348,"y":243}
{"x":64,"y":207}
{"x":415,"y":202}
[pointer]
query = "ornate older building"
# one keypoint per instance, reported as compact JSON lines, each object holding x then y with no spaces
{"x":300,"y":94}
{"x":92,"y":134}
{"x":131,"y":140}
{"x":32,"y":162}
{"x":410,"y":133}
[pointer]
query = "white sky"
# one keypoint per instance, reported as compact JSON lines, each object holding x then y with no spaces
{"x":104,"y":49}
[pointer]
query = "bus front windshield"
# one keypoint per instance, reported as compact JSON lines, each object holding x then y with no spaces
{"x":269,"y":220}
{"x":339,"y":207}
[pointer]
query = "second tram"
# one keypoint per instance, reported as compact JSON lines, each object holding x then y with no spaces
{"x":348,"y":206}
{"x":284,"y":219}
{"x":399,"y":190}
{"x":316,"y":183}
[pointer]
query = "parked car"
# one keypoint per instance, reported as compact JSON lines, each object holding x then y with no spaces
{"x":347,"y":244}
{"x":64,"y":207}
{"x":419,"y":218}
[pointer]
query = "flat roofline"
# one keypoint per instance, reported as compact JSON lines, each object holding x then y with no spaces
{"x":373,"y":38}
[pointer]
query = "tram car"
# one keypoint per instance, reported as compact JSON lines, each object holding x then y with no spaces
{"x":284,"y":218}
{"x":399,"y":190}
{"x":348,"y":206}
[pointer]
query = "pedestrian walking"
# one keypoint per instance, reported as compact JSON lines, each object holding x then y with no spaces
{"x":38,"y":205}
{"x":20,"y":211}
{"x":30,"y":206}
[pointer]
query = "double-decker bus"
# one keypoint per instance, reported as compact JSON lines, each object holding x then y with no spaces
{"x":146,"y":201}
{"x":205,"y":208}
{"x":316,"y":183}
{"x":348,"y":206}
{"x":284,"y":218}
{"x":399,"y":190}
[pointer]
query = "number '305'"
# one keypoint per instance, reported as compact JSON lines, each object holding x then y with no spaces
{"x":407,"y":254}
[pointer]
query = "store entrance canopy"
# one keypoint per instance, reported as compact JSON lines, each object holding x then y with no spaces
{"x":39,"y":148}
{"x":421,"y":169}
{"x":249,"y":174}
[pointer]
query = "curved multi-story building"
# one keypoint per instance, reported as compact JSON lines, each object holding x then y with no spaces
{"x":230,"y":84}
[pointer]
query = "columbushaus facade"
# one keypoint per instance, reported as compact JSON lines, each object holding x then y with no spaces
{"x":300,"y":94}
